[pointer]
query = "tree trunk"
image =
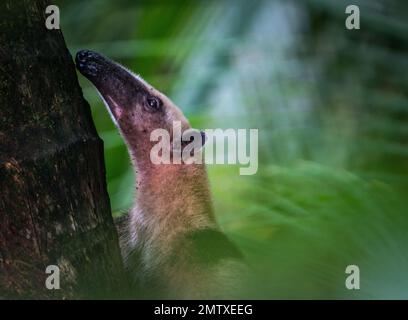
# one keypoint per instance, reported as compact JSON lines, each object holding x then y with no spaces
{"x":54,"y":207}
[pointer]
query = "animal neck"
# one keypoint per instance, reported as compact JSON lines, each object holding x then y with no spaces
{"x":175,"y":193}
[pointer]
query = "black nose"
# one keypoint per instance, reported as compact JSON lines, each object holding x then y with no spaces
{"x":87,"y":62}
{"x":81,"y":55}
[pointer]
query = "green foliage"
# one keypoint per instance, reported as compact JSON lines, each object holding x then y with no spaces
{"x":331,"y":108}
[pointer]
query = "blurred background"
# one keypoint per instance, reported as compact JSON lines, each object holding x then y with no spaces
{"x":331,"y":106}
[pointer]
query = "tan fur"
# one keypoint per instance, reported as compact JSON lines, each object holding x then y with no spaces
{"x":172,"y":200}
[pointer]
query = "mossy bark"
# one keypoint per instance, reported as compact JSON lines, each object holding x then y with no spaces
{"x":54,"y":207}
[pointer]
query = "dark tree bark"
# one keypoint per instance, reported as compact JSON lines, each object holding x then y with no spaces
{"x":54,"y":207}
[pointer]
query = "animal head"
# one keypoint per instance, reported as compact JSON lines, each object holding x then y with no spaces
{"x":136,"y":107}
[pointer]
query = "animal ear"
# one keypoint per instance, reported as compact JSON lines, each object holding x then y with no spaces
{"x":203,"y":138}
{"x":192,"y":139}
{"x":195,"y":138}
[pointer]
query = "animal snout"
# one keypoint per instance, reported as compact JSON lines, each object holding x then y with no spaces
{"x":88,"y":62}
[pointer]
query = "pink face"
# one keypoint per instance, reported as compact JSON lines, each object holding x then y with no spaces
{"x":136,"y":107}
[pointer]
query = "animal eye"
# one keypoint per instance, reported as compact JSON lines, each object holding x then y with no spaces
{"x":154,"y":103}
